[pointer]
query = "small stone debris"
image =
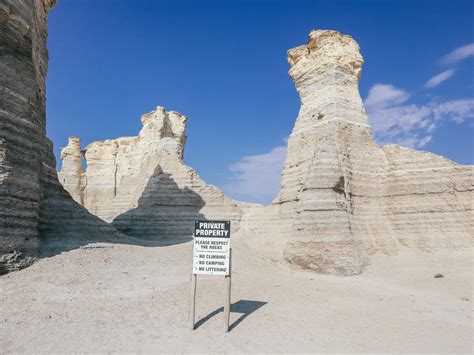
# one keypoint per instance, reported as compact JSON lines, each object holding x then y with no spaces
{"x":438,"y":276}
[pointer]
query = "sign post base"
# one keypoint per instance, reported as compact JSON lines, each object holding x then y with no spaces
{"x":192,"y":313}
{"x":228,"y":281}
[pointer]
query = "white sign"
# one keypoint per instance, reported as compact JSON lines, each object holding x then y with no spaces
{"x":211,"y":247}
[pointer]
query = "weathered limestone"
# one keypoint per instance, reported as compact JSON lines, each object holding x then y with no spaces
{"x":343,"y":198}
{"x":330,"y":143}
{"x":428,"y":199}
{"x":23,"y":66}
{"x":118,"y":170}
{"x":33,"y":205}
{"x":141,"y":183}
{"x":72,"y":174}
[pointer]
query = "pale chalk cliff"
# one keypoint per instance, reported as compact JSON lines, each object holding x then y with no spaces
{"x":109,"y":280}
{"x":342,"y":197}
{"x":142,"y":185}
{"x":34,"y":208}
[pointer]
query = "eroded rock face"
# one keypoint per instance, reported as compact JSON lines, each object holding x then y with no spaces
{"x":23,"y":144}
{"x":142,"y":185}
{"x":427,"y":199}
{"x":316,"y":180}
{"x":72,"y":174}
{"x":33,"y":205}
{"x":343,"y":198}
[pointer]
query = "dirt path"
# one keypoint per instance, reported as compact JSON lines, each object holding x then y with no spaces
{"x":123,"y":298}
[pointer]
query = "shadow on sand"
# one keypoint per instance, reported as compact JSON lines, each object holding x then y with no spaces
{"x":245,"y":307}
{"x":164,"y":216}
{"x":165,"y":212}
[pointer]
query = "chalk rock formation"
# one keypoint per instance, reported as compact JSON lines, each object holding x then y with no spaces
{"x":427,"y":199}
{"x":141,"y":183}
{"x":23,"y":144}
{"x":33,"y":205}
{"x":343,"y":198}
{"x":72,"y":175}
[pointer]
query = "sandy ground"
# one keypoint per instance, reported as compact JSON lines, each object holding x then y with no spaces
{"x":124,"y":298}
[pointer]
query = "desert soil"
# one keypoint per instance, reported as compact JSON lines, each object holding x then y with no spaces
{"x":128,"y":298}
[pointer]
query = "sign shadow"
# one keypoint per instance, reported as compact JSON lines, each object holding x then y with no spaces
{"x":246,"y":307}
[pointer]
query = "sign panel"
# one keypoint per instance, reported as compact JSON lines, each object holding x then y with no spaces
{"x":211,"y":247}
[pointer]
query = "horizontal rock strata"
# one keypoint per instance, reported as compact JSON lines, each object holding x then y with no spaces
{"x":33,"y":205}
{"x":23,"y":145}
{"x":342,"y":198}
{"x":142,"y":185}
{"x":427,"y":199}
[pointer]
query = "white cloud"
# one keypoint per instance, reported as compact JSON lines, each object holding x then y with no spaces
{"x":438,"y":79}
{"x":383,"y":95}
{"x":459,"y":54}
{"x":455,"y":110}
{"x":413,"y":125}
{"x":256,"y":178}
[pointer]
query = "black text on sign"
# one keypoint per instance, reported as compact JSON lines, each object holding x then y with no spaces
{"x":211,"y":247}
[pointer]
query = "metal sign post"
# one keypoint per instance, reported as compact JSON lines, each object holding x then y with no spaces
{"x":228,"y":281}
{"x":211,"y":256}
{"x":192,"y":313}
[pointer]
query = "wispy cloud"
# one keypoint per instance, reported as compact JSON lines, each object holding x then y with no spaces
{"x":411,"y":125}
{"x":382,"y":95}
{"x":455,"y":110}
{"x":256,"y":178}
{"x":438,"y":79}
{"x":450,"y":59}
{"x":459,"y":54}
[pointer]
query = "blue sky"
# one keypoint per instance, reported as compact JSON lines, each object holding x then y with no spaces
{"x":223,"y":64}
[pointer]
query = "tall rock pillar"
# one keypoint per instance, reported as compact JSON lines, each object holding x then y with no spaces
{"x":23,"y":142}
{"x":34,"y":208}
{"x":72,"y":174}
{"x":316,"y":196}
